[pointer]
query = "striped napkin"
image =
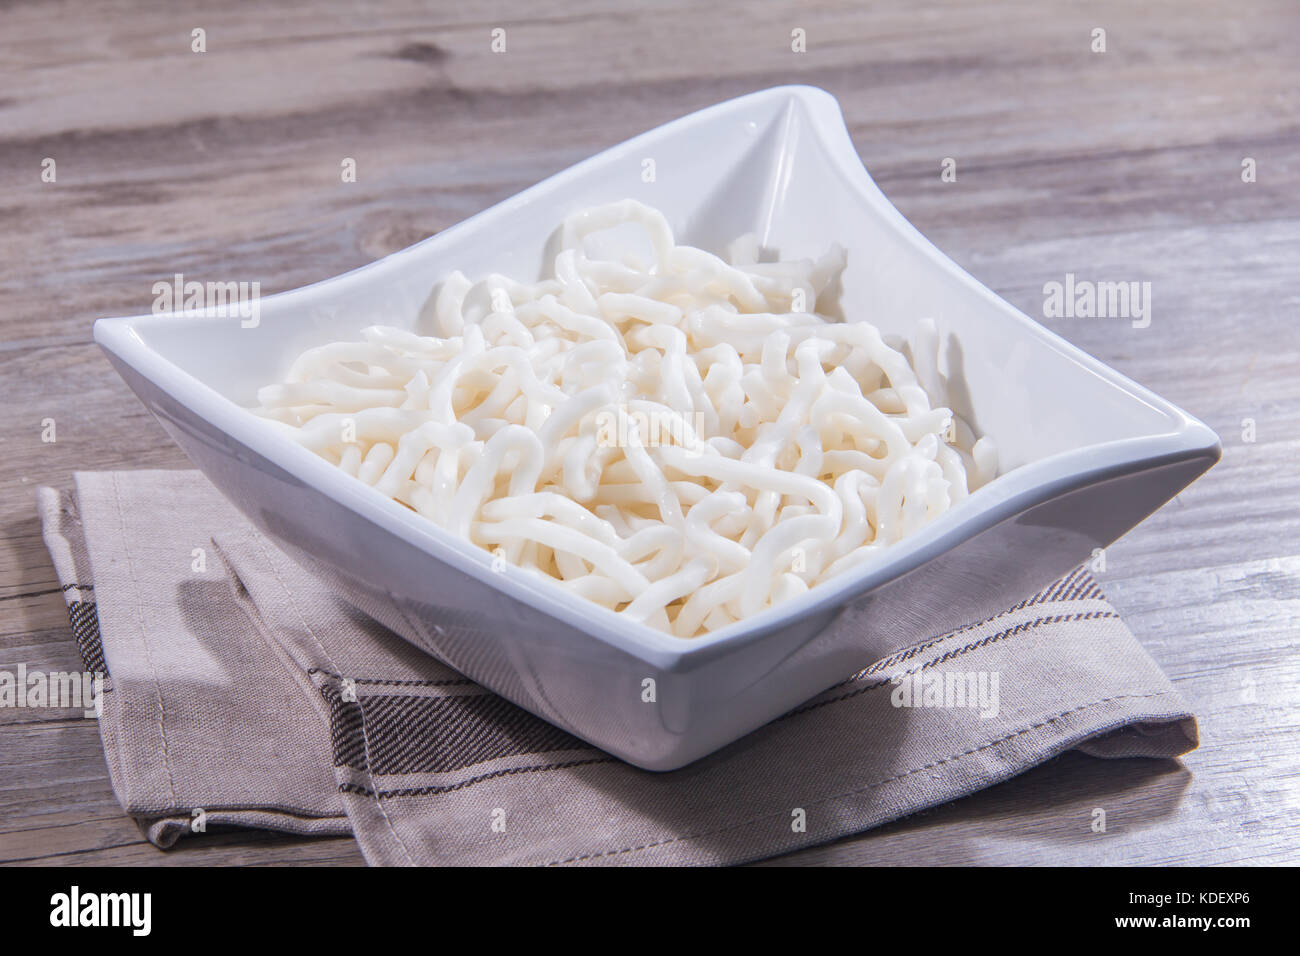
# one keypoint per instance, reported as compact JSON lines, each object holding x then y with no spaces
{"x":239,"y":690}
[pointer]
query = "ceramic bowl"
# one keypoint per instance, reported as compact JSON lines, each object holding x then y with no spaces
{"x":1085,"y":453}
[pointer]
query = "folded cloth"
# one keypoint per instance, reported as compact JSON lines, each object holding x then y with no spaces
{"x":239,"y":690}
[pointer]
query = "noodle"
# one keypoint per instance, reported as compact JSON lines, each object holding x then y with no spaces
{"x":672,"y":440}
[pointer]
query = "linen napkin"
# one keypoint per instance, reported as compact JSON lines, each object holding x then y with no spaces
{"x":239,"y":690}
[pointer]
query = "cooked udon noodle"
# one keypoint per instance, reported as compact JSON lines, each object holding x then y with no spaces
{"x":678,"y":438}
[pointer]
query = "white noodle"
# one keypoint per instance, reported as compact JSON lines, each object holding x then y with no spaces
{"x":670,"y":440}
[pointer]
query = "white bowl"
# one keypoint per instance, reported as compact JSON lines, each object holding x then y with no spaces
{"x":1086,"y":453}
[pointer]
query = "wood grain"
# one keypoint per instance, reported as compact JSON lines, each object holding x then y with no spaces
{"x":1124,"y":165}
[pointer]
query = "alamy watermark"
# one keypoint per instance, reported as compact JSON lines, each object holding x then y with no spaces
{"x":948,"y":690}
{"x":621,"y":427}
{"x":222,"y":299}
{"x":74,"y":908}
{"x":1086,"y":299}
{"x":57,"y":690}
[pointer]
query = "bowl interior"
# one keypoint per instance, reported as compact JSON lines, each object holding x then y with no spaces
{"x":779,"y":164}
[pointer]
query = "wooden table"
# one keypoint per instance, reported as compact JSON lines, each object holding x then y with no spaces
{"x":1123,"y":165}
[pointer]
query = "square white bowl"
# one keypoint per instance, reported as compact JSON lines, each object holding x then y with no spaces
{"x":1086,"y":454}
